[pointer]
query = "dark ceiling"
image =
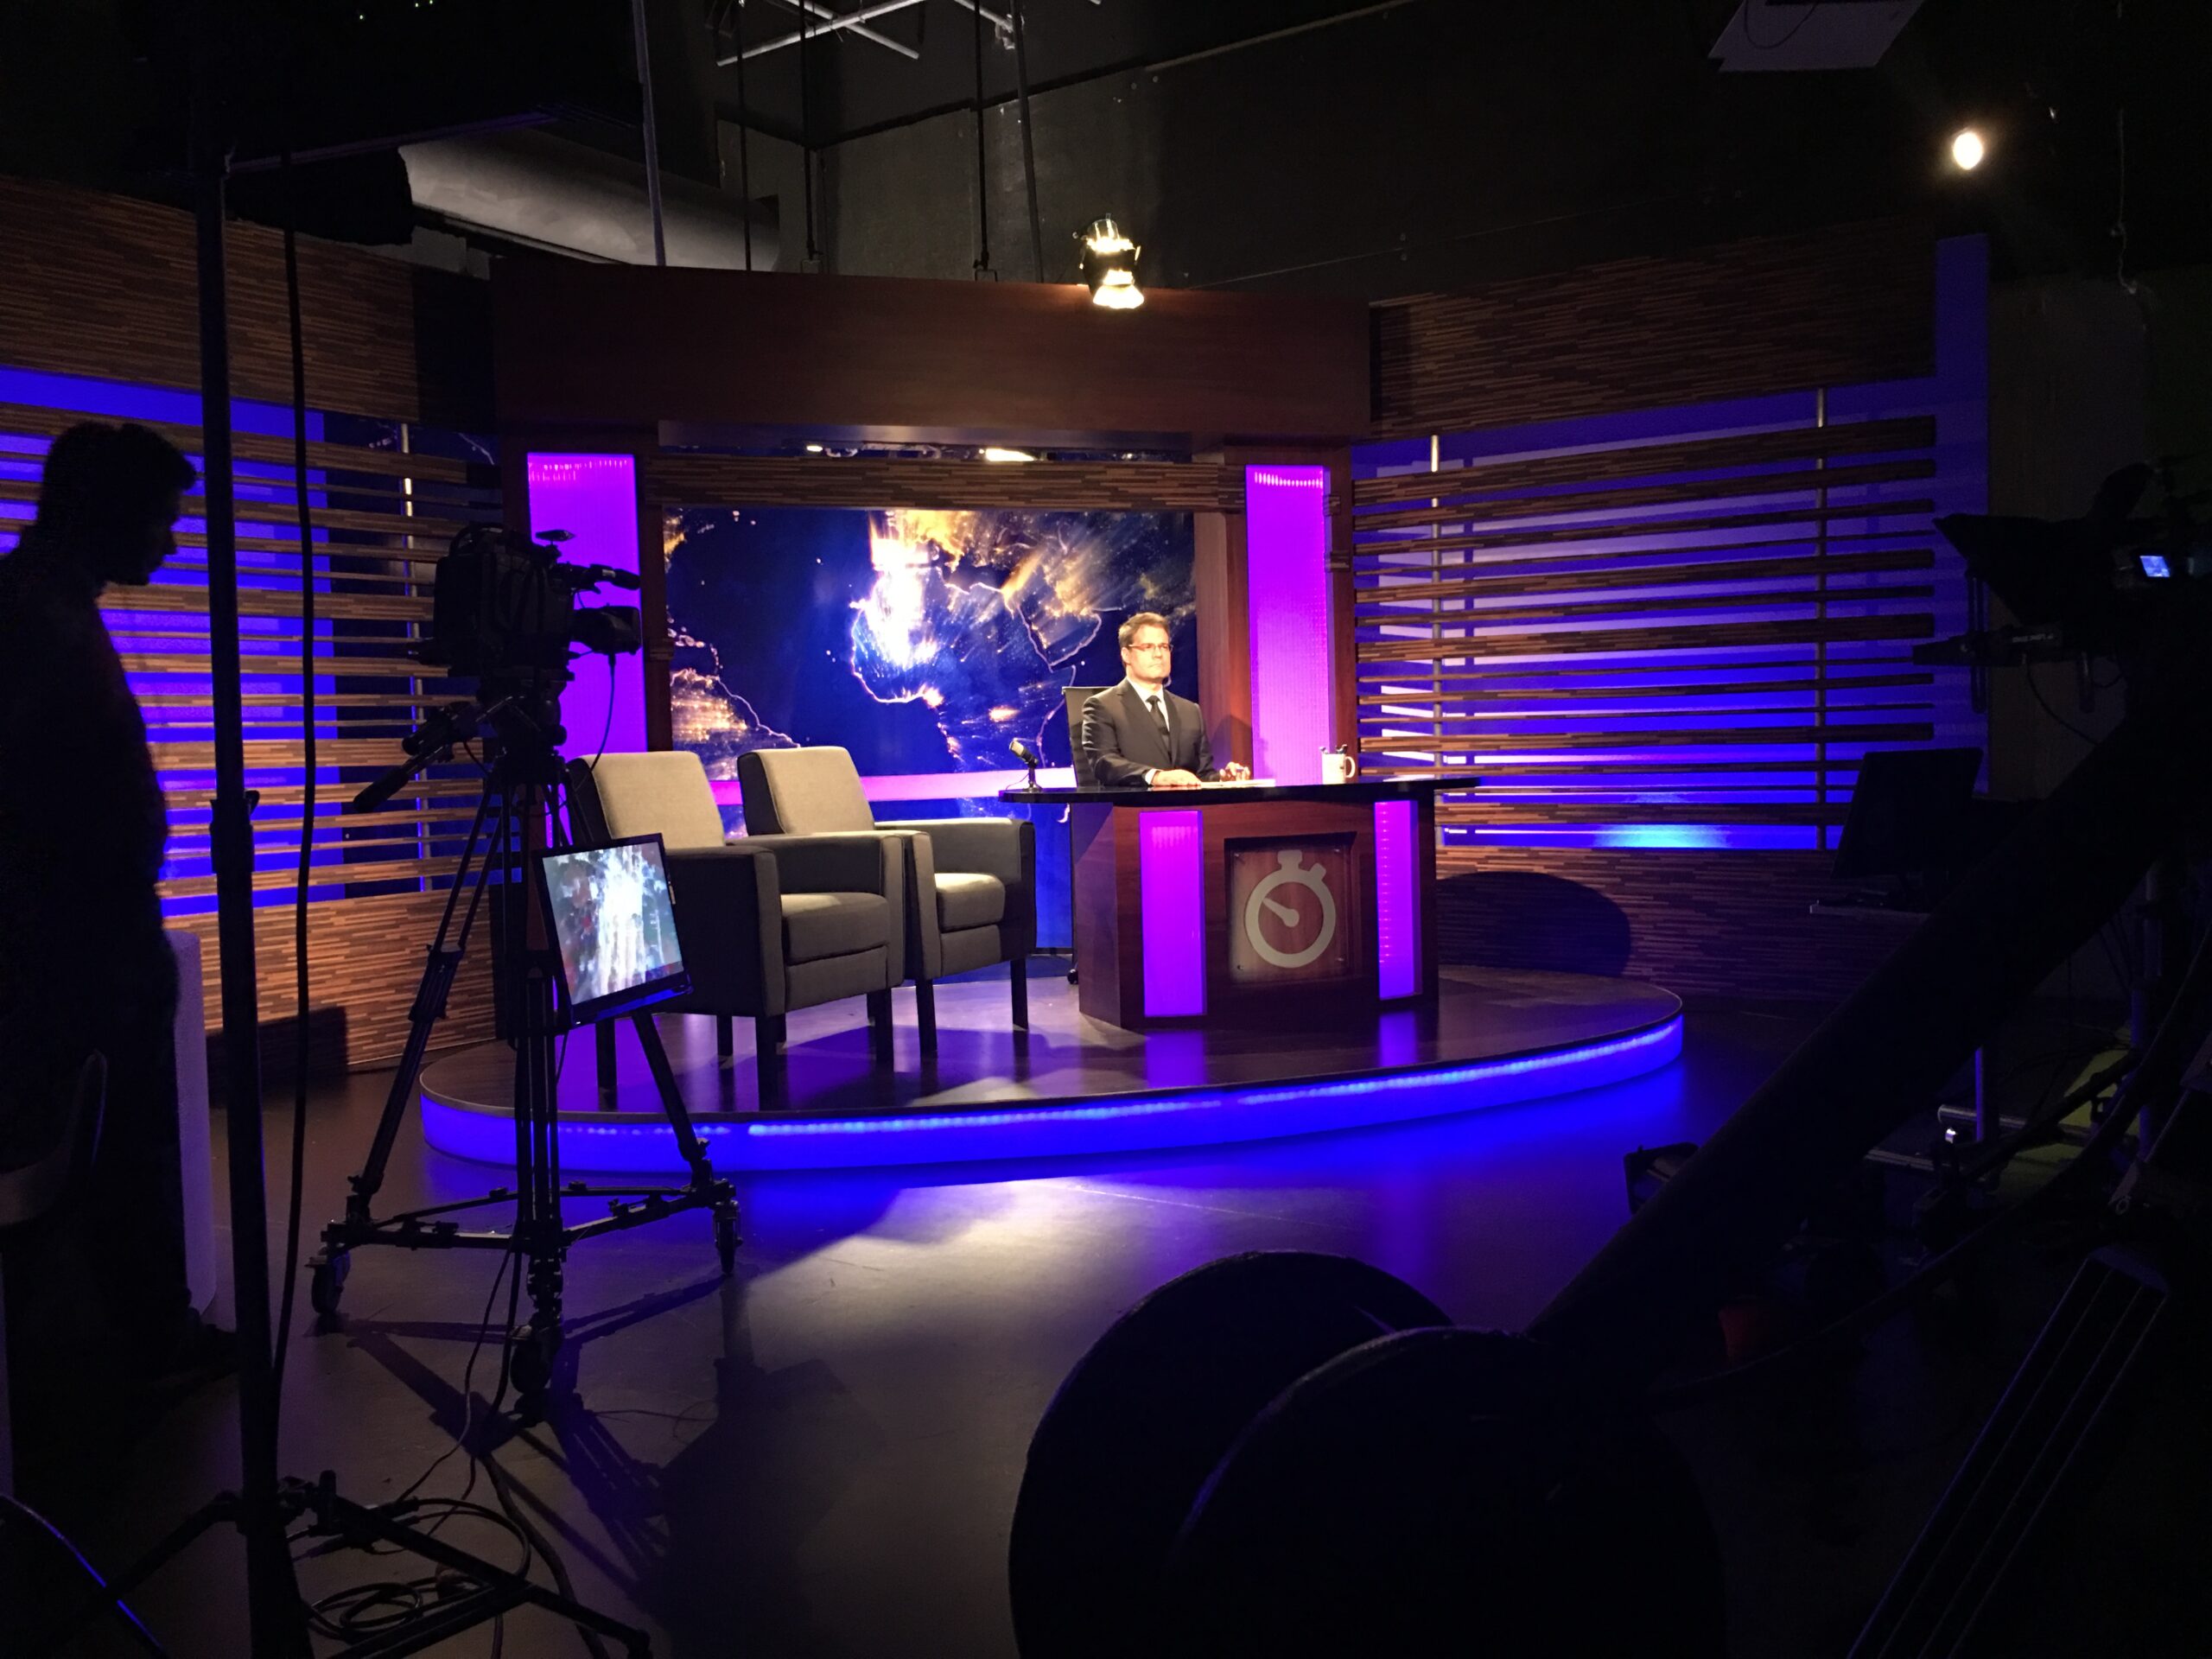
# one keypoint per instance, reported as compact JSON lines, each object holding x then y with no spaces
{"x":854,"y":84}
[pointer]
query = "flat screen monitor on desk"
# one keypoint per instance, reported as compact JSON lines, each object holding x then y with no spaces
{"x":613,"y":928}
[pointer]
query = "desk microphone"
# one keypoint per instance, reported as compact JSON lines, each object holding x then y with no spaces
{"x":1026,"y":753}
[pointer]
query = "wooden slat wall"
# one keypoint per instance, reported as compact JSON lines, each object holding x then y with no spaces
{"x":1697,"y":627}
{"x":105,"y":289}
{"x":106,"y":285}
{"x":1721,"y":923}
{"x":1824,"y":307}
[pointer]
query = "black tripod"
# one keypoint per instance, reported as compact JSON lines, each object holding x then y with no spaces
{"x":523,"y":775}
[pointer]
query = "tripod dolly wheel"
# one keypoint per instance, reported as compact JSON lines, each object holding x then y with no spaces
{"x":327,"y":1283}
{"x":726,"y":1238}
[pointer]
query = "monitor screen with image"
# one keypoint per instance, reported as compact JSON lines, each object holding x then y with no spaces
{"x":614,"y":927}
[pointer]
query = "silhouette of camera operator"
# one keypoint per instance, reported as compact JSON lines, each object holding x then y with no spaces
{"x":83,"y":962}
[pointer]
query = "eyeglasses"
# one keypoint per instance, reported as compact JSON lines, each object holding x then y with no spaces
{"x":1162,"y":646}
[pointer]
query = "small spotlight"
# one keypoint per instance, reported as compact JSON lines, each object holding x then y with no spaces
{"x":994,"y":453}
{"x":1966,"y":150}
{"x":813,"y":449}
{"x":1109,"y":266}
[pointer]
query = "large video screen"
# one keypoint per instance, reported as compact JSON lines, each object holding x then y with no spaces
{"x":924,"y":642}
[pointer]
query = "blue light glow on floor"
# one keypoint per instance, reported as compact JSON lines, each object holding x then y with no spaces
{"x":636,"y":1143}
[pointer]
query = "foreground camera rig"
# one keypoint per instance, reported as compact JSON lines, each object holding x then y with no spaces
{"x":2121,"y":583}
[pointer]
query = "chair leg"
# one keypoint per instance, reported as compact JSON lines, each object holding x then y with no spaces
{"x":725,"y":1037}
{"x":878,"y":1027}
{"x":926,"y":1015}
{"x":769,"y":1061}
{"x":1018,"y":978}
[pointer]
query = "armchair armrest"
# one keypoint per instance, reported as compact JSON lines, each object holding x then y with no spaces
{"x":1000,"y":847}
{"x":1005,"y":848}
{"x":729,"y":921}
{"x":861,"y":862}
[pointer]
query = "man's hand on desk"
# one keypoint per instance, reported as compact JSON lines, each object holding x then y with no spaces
{"x":1231,"y":772}
{"x":1174,"y":777}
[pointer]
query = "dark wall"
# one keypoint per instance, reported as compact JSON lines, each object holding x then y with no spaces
{"x":1438,"y":144}
{"x":1415,"y":148}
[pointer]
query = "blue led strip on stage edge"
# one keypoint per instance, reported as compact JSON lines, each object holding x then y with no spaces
{"x":643,"y":1144}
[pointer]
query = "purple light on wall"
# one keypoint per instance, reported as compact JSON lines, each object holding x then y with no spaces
{"x":1397,"y":900}
{"x":595,"y":498}
{"x":1170,"y":865}
{"x":1286,"y":540}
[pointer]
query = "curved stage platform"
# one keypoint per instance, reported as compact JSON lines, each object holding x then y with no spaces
{"x":1071,"y":1085}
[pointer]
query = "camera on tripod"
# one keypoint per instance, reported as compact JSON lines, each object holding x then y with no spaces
{"x":504,"y":611}
{"x":2120,"y":582}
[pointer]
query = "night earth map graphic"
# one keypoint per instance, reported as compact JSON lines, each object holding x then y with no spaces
{"x":921,"y":641}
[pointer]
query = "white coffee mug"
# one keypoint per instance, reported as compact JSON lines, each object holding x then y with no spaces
{"x":1338,"y":767}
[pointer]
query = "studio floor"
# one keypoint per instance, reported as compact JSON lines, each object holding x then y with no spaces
{"x":818,"y":1458}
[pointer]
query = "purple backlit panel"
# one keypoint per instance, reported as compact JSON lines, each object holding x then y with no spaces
{"x":1397,"y":899}
{"x":1287,"y":537}
{"x":1170,"y":863}
{"x":595,"y":498}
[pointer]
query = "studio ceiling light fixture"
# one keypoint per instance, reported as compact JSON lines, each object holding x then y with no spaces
{"x":1110,"y":266}
{"x":1968,"y":149}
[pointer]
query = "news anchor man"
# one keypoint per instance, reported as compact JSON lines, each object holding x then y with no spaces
{"x":1140,"y":735}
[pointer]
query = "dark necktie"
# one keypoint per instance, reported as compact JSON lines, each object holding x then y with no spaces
{"x":1160,"y":718}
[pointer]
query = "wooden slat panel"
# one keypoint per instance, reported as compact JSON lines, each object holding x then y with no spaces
{"x":270,"y":513}
{"x":336,"y":663}
{"x":1781,"y":812}
{"x":1492,"y":771}
{"x":1699,"y":922}
{"x":1460,"y":510}
{"x":1622,"y":575}
{"x":1829,"y":306}
{"x":1365,"y":555}
{"x":108,"y":285}
{"x":1611,"y":694}
{"x":1832,"y":630}
{"x":269,"y":602}
{"x":744,"y":480}
{"x":1602,"y":608}
{"x":33,"y":420}
{"x":189,"y":800}
{"x":1478,"y":677}
{"x":365,"y":955}
{"x":330,"y":752}
{"x":366,"y":872}
{"x":1644,"y":460}
{"x":1647,"y":738}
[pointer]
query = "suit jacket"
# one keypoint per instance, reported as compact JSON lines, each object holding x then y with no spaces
{"x":1120,"y":740}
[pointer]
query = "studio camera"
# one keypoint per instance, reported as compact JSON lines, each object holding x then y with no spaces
{"x":504,"y":611}
{"x":2131,"y":581}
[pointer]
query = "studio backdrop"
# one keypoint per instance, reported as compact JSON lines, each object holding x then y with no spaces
{"x":924,"y":642}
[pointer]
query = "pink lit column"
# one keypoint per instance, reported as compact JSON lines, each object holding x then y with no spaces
{"x":1171,"y":870}
{"x":595,"y":498}
{"x":1286,"y":540}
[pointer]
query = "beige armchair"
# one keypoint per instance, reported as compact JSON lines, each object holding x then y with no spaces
{"x":768,"y":924}
{"x":971,"y":883}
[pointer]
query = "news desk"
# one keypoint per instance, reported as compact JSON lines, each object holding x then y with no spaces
{"x":1252,"y":904}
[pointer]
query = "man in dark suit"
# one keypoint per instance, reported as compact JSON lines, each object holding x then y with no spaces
{"x":1140,"y":735}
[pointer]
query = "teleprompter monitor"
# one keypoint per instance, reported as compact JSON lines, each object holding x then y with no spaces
{"x":614,"y":927}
